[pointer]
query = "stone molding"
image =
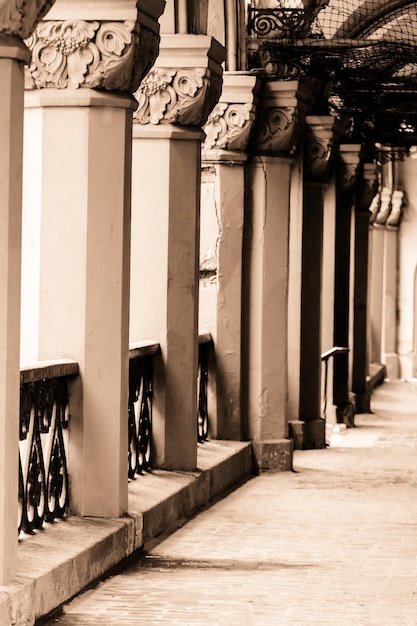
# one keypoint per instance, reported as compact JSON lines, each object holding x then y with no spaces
{"x":20,"y":17}
{"x":185,"y":93}
{"x":92,"y":53}
{"x":281,"y":120}
{"x":230,"y":124}
{"x":318,"y":147}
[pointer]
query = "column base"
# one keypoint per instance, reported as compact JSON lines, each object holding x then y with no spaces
{"x":362,"y":402}
{"x":308,"y":435}
{"x":274,"y":454}
{"x":345,"y":414}
{"x":392,"y":365}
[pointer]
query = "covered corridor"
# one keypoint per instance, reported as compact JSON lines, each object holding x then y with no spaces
{"x":333,"y":543}
{"x":207,"y":259}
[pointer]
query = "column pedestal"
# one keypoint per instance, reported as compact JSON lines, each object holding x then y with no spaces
{"x":164,"y":280}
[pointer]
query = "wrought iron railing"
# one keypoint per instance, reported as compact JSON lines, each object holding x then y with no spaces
{"x":141,"y":357}
{"x":280,"y":22}
{"x":205,"y":344}
{"x":44,"y":420}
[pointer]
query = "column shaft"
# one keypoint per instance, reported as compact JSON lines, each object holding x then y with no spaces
{"x":266,"y":259}
{"x":164,"y":286}
{"x":310,"y":365}
{"x":84,"y":280}
{"x":376,"y":292}
{"x":360,"y":314}
{"x":389,"y":308}
{"x":11,"y":143}
{"x":221,"y":300}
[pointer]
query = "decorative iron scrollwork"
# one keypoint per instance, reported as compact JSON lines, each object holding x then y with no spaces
{"x":202,"y":385}
{"x":43,"y":473}
{"x":279,"y":23}
{"x":140,"y":415}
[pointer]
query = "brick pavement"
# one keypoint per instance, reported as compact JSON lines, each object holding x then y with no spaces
{"x":332,"y":543}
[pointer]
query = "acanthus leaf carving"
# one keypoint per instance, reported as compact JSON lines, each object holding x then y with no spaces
{"x":229,"y":125}
{"x":276,"y":129}
{"x":78,"y":53}
{"x":176,"y":96}
{"x":19,"y":17}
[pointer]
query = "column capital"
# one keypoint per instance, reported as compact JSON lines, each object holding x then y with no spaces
{"x":384,"y":209}
{"x":367,"y":186}
{"x":349,"y":160}
{"x":229,"y":126}
{"x":185,"y":83}
{"x":394,"y":217}
{"x":109,"y":45}
{"x":281,"y":119}
{"x":20,"y":18}
{"x":318,"y":146}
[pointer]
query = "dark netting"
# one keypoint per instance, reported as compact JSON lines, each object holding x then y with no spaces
{"x":365,"y":53}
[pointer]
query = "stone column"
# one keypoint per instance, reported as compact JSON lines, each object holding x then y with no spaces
{"x":175,"y":100}
{"x":317,"y":151}
{"x":376,"y":269}
{"x":86,"y":63}
{"x":366,"y":191}
{"x":225,"y":153}
{"x":266,"y":272}
{"x":345,"y":197}
{"x":389,"y":308}
{"x":16,"y":23}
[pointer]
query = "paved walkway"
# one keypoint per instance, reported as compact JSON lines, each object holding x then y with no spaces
{"x":332,"y":543}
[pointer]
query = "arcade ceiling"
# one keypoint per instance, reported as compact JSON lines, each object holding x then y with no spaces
{"x":363,"y":56}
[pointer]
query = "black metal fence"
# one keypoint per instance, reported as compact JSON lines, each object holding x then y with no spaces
{"x":44,"y":421}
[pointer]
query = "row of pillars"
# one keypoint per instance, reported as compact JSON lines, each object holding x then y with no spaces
{"x":110,"y":255}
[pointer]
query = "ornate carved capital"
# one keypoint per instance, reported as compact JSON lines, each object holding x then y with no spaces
{"x":284,"y":108}
{"x":318,"y":147}
{"x":366,"y":186}
{"x":110,"y":55}
{"x":374,"y":207}
{"x":170,"y":96}
{"x":397,"y":200}
{"x":229,"y":125}
{"x":349,"y":159}
{"x":185,"y":92}
{"x":384,"y":206}
{"x":19,"y":17}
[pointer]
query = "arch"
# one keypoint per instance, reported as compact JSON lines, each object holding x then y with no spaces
{"x":370,"y":16}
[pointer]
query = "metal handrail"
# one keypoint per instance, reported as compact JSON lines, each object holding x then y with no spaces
{"x":325,"y":356}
